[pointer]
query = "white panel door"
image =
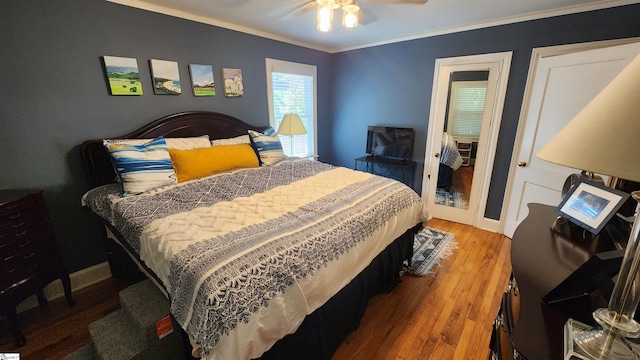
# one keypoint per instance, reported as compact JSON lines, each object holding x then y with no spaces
{"x":562,"y":86}
{"x":498,"y":65}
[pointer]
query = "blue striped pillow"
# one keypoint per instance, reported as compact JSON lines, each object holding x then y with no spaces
{"x":268,"y":145}
{"x":142,"y":167}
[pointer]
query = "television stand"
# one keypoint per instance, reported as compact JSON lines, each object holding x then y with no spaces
{"x":398,"y":169}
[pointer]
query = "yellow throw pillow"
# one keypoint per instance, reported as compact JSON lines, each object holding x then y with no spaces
{"x":198,"y":163}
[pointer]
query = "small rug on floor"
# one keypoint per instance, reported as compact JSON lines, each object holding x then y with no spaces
{"x":450,"y":198}
{"x":429,"y":247}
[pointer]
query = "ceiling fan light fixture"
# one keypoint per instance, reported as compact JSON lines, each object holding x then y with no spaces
{"x":324,"y":26}
{"x":325,"y":15}
{"x":350,"y":15}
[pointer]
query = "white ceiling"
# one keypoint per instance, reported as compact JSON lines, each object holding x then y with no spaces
{"x":293,"y":22}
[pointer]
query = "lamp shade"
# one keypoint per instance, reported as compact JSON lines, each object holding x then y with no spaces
{"x":603,"y":137}
{"x":291,"y":125}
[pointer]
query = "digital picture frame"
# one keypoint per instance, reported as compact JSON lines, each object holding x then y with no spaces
{"x":591,"y":205}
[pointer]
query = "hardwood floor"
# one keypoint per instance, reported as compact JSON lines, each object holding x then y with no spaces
{"x":58,"y":330}
{"x":448,"y":316}
{"x":462,"y":181}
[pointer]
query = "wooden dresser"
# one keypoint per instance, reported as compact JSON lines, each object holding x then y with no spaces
{"x":29,"y":257}
{"x":526,"y":326}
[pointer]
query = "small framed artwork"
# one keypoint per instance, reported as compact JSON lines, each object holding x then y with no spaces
{"x":232,"y":82}
{"x":123,"y":75}
{"x":202,"y":80}
{"x":591,"y":205}
{"x":165,"y":77}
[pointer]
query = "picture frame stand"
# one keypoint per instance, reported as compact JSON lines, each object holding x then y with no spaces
{"x":567,"y":228}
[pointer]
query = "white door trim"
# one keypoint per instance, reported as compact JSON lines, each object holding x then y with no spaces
{"x":503,"y":60}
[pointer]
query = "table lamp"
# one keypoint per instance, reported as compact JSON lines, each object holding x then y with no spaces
{"x":603,"y":138}
{"x":291,"y":125}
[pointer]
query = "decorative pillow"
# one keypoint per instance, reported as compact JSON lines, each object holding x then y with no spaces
{"x":187,"y":143}
{"x":242,"y":139}
{"x":141,"y":167}
{"x":194,"y":164}
{"x":268,"y":145}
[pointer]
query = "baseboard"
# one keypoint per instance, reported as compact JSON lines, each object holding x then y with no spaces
{"x":489,"y":225}
{"x":79,"y":280}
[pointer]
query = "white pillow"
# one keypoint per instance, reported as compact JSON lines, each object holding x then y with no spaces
{"x":242,"y":139}
{"x":188,"y":143}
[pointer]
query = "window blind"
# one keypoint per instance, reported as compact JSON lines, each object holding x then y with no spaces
{"x":466,"y":108}
{"x":292,"y":90}
{"x":293,"y":94}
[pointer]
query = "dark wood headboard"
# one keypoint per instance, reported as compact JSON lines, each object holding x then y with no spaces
{"x":184,"y":124}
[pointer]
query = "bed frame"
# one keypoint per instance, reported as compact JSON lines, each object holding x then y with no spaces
{"x":324,"y":330}
{"x":185,"y":124}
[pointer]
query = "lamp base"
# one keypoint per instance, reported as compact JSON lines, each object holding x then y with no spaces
{"x":584,"y":342}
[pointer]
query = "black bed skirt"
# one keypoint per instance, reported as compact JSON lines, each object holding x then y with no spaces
{"x":322,"y":332}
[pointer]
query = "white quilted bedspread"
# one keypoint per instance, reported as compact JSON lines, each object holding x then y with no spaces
{"x":244,"y":269}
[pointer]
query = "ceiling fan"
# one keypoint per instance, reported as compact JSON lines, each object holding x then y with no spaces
{"x":351,"y":12}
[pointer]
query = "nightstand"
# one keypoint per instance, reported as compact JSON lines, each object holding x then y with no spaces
{"x":29,"y":257}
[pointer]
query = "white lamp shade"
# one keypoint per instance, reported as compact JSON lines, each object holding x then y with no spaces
{"x":291,"y":125}
{"x":603,"y":138}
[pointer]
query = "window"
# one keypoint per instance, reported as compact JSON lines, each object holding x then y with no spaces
{"x":465,"y":109}
{"x":291,"y":89}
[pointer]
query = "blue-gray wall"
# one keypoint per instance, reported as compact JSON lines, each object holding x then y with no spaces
{"x":391,"y":84}
{"x":53,"y":94}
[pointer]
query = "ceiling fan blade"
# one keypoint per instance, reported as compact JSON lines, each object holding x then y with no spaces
{"x":366,"y":17}
{"x":299,"y":9}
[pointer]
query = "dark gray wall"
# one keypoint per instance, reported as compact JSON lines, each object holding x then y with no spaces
{"x":391,"y":84}
{"x":54,"y":94}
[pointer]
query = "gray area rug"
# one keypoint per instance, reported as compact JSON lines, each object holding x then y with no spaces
{"x":429,"y":247}
{"x":452,"y":198}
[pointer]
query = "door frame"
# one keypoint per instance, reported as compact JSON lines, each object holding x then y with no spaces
{"x":503,"y":61}
{"x":538,"y":54}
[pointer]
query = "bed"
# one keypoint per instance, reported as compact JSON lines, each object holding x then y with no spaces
{"x":275,"y":261}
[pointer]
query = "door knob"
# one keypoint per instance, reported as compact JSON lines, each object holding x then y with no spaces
{"x":522,"y":163}
{"x":437,"y":155}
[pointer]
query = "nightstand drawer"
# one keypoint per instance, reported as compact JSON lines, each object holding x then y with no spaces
{"x":10,"y":209}
{"x":29,"y":257}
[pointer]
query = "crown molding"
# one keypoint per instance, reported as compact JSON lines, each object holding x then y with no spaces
{"x":598,"y":5}
{"x":605,"y":4}
{"x":211,"y":21}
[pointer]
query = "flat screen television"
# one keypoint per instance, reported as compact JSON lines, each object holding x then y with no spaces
{"x":390,"y":142}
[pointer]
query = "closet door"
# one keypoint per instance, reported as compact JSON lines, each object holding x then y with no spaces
{"x":561,"y":87}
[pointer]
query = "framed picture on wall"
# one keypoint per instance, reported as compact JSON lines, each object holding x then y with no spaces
{"x":232,"y":82}
{"x":591,"y":205}
{"x":202,"y":82}
{"x":123,"y":75}
{"x":165,"y":77}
